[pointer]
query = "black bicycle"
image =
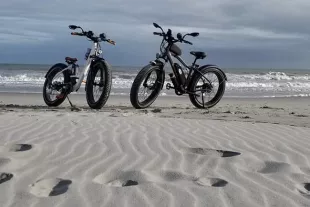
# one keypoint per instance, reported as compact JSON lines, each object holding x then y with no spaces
{"x":62,"y":79}
{"x":192,"y":80}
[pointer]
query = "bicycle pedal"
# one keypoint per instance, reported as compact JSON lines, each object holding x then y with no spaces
{"x":168,"y":86}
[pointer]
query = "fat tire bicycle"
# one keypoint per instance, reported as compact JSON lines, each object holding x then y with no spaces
{"x":181,"y":83}
{"x":62,"y":79}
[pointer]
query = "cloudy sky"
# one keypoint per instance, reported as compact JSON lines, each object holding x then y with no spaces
{"x":234,"y":33}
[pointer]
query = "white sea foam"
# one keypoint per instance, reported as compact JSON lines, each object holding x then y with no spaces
{"x":244,"y":84}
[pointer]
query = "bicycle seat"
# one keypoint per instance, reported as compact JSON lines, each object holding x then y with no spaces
{"x":71,"y":60}
{"x":198,"y":55}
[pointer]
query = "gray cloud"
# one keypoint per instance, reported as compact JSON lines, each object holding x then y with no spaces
{"x":244,"y":33}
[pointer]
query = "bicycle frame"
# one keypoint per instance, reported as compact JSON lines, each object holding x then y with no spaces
{"x":93,"y":53}
{"x":191,"y":68}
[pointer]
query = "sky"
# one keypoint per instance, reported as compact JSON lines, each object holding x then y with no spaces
{"x":233,"y":33}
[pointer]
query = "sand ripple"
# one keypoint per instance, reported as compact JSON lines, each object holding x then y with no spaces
{"x":92,"y":159}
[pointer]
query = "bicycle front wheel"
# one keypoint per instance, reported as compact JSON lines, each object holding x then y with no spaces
{"x":98,"y":85}
{"x":146,"y":87}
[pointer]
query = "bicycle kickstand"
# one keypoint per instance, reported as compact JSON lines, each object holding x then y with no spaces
{"x":73,"y":108}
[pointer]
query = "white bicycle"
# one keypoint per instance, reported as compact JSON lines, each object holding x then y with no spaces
{"x":62,"y":79}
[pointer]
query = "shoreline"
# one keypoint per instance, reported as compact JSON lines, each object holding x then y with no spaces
{"x":293,"y":111}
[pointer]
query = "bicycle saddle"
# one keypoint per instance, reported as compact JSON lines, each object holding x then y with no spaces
{"x":198,"y":55}
{"x":70,"y":60}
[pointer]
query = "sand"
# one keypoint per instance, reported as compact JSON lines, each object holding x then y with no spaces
{"x":243,"y":152}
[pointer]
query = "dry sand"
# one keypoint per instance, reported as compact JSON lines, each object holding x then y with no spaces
{"x":170,"y":154}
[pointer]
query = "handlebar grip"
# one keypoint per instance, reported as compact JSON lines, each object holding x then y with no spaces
{"x":111,"y":41}
{"x":76,"y":33}
{"x":157,"y":33}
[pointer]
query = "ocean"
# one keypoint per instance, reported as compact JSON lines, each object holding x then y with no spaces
{"x":242,"y":83}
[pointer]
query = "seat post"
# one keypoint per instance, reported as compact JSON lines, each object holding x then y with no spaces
{"x":194,"y":61}
{"x":74,"y":68}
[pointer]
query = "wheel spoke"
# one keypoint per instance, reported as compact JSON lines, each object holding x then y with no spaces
{"x":208,"y":86}
{"x":97,"y":85}
{"x":54,"y":87}
{"x":148,"y":86}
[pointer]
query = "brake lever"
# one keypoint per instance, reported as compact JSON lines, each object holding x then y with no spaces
{"x":188,"y":42}
{"x":81,"y":29}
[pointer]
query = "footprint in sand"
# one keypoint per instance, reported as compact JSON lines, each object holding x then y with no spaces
{"x":5,"y":177}
{"x":19,"y":147}
{"x":304,"y":189}
{"x":269,"y":167}
{"x":274,"y":167}
{"x":132,"y":178}
{"x":206,"y":151}
{"x":122,"y":183}
{"x":49,"y":187}
{"x":213,"y":182}
{"x":122,"y":178}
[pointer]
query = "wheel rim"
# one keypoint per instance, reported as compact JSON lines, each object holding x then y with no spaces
{"x":205,"y":87}
{"x":148,"y":86}
{"x":53,"y":88}
{"x":98,"y":84}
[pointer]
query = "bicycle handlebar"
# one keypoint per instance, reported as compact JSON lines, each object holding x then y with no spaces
{"x":90,"y":35}
{"x":169,"y":38}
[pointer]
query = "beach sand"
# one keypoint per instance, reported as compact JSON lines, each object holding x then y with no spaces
{"x":242,"y":152}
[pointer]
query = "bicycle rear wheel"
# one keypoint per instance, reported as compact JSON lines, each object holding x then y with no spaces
{"x":203,"y":85}
{"x":56,"y":85}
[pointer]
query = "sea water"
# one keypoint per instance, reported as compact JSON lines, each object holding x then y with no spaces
{"x":242,"y":83}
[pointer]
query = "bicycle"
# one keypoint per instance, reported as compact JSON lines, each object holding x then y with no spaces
{"x":182,"y":83}
{"x":71,"y":77}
